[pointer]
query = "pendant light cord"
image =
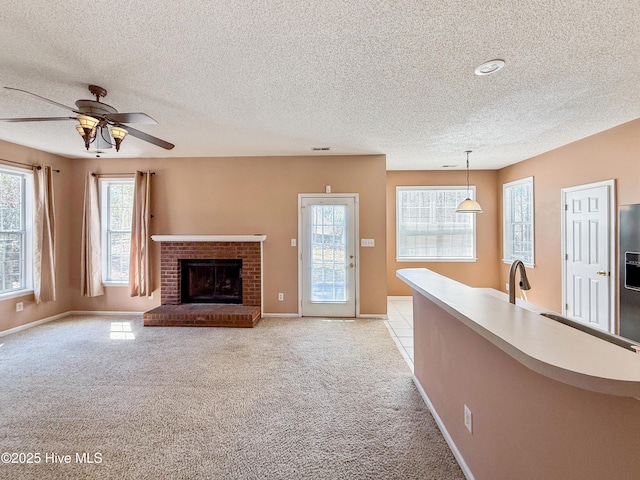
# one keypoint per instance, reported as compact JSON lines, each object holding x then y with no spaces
{"x":468,"y":152}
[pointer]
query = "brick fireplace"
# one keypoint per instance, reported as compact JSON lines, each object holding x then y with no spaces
{"x":177,"y":250}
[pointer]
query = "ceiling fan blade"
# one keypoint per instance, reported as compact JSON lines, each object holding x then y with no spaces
{"x":147,"y":138}
{"x":41,"y":119}
{"x":45,"y":99}
{"x":135,"y":117}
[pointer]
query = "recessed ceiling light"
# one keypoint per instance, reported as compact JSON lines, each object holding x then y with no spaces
{"x":492,"y":66}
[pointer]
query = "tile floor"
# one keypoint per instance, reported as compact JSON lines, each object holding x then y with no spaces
{"x":400,"y":325}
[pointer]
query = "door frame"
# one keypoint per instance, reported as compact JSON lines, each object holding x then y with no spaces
{"x":356,"y":234}
{"x":612,"y":226}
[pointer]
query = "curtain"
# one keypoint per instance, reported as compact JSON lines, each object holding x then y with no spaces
{"x":44,"y":238}
{"x":139,"y":283}
{"x":91,"y":260}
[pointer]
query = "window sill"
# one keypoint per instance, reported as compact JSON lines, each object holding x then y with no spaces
{"x":19,"y":293}
{"x":509,"y":262}
{"x":424,"y":260}
{"x":115,"y":284}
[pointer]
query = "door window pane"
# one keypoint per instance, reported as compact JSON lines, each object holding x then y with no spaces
{"x":328,"y":246}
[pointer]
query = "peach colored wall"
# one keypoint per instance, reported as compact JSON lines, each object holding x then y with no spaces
{"x":248,"y":195}
{"x":525,"y":425}
{"x":9,"y":318}
{"x":483,"y":272}
{"x":613,"y":154}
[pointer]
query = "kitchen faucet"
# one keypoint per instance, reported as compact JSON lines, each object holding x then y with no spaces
{"x":524,"y":283}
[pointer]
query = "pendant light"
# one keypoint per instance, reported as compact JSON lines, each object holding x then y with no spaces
{"x":468,"y":205}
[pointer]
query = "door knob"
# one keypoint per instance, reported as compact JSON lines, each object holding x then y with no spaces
{"x":601,"y":272}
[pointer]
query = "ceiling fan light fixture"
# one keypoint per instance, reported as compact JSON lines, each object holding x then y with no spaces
{"x":87,"y":134}
{"x":88,"y":122}
{"x":468,"y":205}
{"x":118,"y":134}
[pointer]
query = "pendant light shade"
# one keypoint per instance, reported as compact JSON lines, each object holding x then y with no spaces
{"x":468,"y":205}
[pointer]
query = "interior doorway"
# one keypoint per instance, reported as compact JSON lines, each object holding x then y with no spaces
{"x":588,"y":239}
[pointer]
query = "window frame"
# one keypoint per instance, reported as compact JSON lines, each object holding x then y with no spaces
{"x":507,"y":207}
{"x":104,"y":183}
{"x":468,"y":191}
{"x":26,"y":212}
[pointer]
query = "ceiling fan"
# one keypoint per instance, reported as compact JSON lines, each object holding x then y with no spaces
{"x":99,"y":123}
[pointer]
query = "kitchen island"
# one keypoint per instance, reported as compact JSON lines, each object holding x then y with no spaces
{"x":547,"y":401}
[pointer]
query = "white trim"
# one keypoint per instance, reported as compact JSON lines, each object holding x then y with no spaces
{"x":102,"y":312}
{"x":400,"y":297}
{"x":434,"y":259}
{"x":17,"y":294}
{"x":375,"y":316}
{"x":445,"y":433}
{"x":613,"y":264}
{"x":20,"y":328}
{"x":276,"y":315}
{"x":208,"y":238}
{"x":261,"y":278}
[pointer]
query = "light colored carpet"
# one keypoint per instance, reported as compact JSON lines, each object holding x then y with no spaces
{"x":289,"y":399}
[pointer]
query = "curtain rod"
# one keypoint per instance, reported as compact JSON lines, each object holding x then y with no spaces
{"x":115,"y":174}
{"x":39,"y":167}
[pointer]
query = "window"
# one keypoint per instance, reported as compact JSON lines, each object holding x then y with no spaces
{"x":116,"y":206}
{"x":428,"y":227}
{"x":16,"y":193}
{"x":517,"y":214}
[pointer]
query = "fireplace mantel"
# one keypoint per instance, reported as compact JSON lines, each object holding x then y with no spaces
{"x":208,"y":238}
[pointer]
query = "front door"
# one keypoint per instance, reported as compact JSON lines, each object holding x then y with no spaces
{"x":328,"y":255}
{"x":587,"y":279}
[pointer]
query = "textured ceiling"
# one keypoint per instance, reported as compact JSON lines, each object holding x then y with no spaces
{"x":247,"y":77}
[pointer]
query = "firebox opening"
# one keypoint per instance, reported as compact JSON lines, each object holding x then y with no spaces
{"x":211,"y":281}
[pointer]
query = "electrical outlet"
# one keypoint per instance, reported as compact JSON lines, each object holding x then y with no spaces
{"x":19,"y":306}
{"x":468,"y":419}
{"x":506,"y":286}
{"x":293,"y":242}
{"x":280,"y":297}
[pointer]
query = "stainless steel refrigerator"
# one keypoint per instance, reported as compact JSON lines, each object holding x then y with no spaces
{"x":629,"y":251}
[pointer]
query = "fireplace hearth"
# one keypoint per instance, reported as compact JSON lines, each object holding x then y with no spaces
{"x":224,"y":278}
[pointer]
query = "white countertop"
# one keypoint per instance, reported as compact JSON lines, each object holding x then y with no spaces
{"x":548,"y":347}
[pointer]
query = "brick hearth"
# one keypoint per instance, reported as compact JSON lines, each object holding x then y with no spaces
{"x":202,"y":316}
{"x":174,"y":313}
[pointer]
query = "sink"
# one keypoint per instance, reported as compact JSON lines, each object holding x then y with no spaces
{"x":607,"y":337}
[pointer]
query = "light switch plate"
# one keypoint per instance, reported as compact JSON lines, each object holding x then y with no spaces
{"x":367,"y":242}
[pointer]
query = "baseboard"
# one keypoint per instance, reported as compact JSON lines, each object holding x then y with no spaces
{"x":275,"y":315}
{"x":102,"y":312}
{"x":19,"y":328}
{"x":456,"y":453}
{"x":379,"y":316}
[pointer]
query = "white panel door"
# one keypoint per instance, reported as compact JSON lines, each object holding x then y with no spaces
{"x":328,"y":256}
{"x":587,"y":256}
